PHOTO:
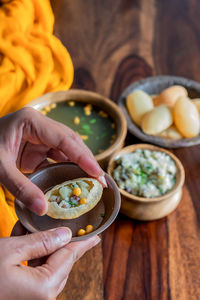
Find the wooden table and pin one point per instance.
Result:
(114, 43)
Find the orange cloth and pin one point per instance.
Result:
(8, 217)
(32, 62)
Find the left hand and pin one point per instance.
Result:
(46, 280)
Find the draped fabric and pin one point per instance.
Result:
(32, 62)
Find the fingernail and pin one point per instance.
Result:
(103, 181)
(97, 241)
(64, 234)
(97, 166)
(39, 206)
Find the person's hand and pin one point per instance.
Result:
(46, 281)
(27, 139)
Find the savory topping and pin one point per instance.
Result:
(83, 201)
(71, 103)
(76, 120)
(88, 229)
(145, 173)
(73, 198)
(52, 105)
(68, 196)
(76, 191)
(88, 109)
(103, 114)
(81, 232)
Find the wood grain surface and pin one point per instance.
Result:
(114, 43)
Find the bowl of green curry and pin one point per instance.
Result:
(96, 119)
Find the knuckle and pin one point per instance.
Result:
(75, 137)
(80, 158)
(25, 112)
(46, 242)
(20, 189)
(73, 257)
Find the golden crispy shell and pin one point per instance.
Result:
(93, 197)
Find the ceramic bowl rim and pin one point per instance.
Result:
(120, 120)
(101, 228)
(137, 131)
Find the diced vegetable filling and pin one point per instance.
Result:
(145, 173)
(72, 194)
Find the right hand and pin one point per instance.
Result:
(44, 282)
(27, 139)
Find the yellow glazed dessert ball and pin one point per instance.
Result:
(138, 103)
(170, 95)
(157, 120)
(196, 102)
(186, 117)
(171, 133)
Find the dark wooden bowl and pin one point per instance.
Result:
(55, 174)
(153, 86)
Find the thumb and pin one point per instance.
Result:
(36, 245)
(22, 188)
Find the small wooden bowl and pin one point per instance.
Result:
(55, 174)
(153, 86)
(147, 209)
(95, 99)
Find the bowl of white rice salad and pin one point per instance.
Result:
(150, 180)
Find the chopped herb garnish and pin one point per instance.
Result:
(103, 135)
(85, 126)
(92, 121)
(73, 204)
(103, 215)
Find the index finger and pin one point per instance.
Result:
(58, 136)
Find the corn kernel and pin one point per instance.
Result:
(47, 109)
(89, 228)
(103, 114)
(84, 137)
(83, 201)
(76, 120)
(87, 112)
(76, 191)
(81, 232)
(88, 107)
(71, 103)
(52, 105)
(43, 112)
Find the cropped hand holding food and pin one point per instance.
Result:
(43, 280)
(27, 139)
